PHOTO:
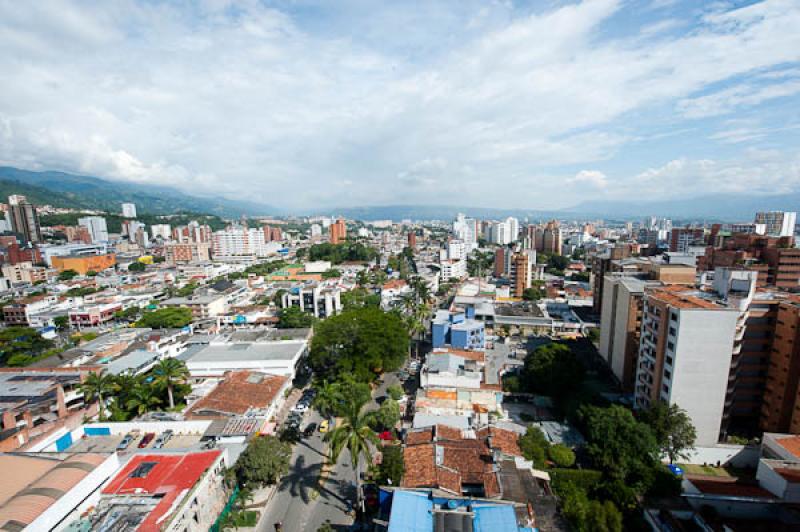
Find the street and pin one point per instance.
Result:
(302, 502)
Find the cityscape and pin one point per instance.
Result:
(457, 266)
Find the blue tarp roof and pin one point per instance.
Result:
(499, 518)
(411, 512)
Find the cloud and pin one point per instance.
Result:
(284, 103)
(591, 178)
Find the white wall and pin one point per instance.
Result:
(702, 360)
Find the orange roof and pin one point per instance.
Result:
(240, 391)
(502, 439)
(791, 444)
(478, 356)
(394, 284)
(731, 488)
(672, 296)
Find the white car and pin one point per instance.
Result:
(300, 407)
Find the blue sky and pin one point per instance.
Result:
(486, 103)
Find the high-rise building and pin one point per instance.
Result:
(338, 231)
(466, 230)
(316, 231)
(96, 225)
(548, 239)
(193, 232)
(777, 223)
(24, 219)
(500, 255)
(683, 237)
(780, 410)
(129, 210)
(690, 342)
(513, 228)
(456, 249)
(412, 239)
(272, 234)
(182, 253)
(239, 241)
(520, 273)
(162, 231)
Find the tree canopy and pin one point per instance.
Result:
(20, 344)
(672, 429)
(136, 267)
(166, 318)
(294, 318)
(552, 369)
(264, 461)
(338, 253)
(362, 341)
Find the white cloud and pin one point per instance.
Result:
(248, 101)
(591, 178)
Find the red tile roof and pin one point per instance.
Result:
(169, 477)
(502, 439)
(731, 488)
(240, 391)
(791, 444)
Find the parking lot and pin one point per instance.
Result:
(108, 444)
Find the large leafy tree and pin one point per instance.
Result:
(98, 386)
(168, 373)
(672, 428)
(362, 341)
(21, 341)
(624, 448)
(264, 461)
(294, 318)
(166, 318)
(553, 369)
(392, 467)
(534, 446)
(387, 416)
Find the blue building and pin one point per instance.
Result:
(421, 511)
(458, 329)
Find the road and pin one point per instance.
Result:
(302, 502)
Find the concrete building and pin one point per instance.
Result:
(129, 210)
(338, 231)
(175, 492)
(520, 273)
(240, 241)
(84, 264)
(780, 411)
(681, 238)
(24, 219)
(242, 394)
(453, 269)
(457, 249)
(187, 252)
(96, 226)
(317, 299)
(93, 315)
(193, 232)
(777, 223)
(690, 340)
(41, 490)
(24, 272)
(458, 330)
(162, 231)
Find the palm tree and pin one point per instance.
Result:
(354, 434)
(168, 373)
(141, 399)
(327, 398)
(97, 386)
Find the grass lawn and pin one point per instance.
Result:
(709, 471)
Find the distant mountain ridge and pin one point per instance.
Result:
(66, 190)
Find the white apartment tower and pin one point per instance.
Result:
(96, 225)
(129, 210)
(778, 223)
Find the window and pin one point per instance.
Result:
(673, 316)
(671, 346)
(142, 470)
(669, 361)
(672, 331)
(666, 388)
(667, 374)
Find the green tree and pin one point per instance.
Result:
(264, 461)
(61, 322)
(355, 435)
(18, 341)
(168, 373)
(395, 391)
(392, 467)
(67, 275)
(91, 273)
(387, 416)
(619, 445)
(359, 298)
(561, 455)
(672, 428)
(136, 267)
(554, 370)
(142, 399)
(362, 341)
(294, 318)
(327, 399)
(532, 294)
(166, 318)
(333, 273)
(98, 386)
(534, 446)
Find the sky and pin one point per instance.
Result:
(307, 104)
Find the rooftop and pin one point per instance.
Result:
(240, 392)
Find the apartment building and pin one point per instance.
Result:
(241, 241)
(24, 219)
(186, 252)
(21, 312)
(688, 341)
(601, 264)
(683, 237)
(521, 273)
(338, 231)
(317, 299)
(780, 411)
(24, 272)
(96, 227)
(777, 223)
(453, 269)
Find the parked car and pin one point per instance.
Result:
(146, 440)
(125, 442)
(162, 439)
(323, 426)
(300, 407)
(310, 429)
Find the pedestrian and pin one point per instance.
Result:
(279, 526)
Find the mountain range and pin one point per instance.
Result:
(62, 189)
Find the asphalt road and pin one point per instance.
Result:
(302, 502)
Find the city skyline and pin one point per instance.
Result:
(400, 105)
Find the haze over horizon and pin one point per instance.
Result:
(502, 104)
